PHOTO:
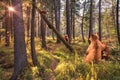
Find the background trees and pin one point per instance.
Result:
(57, 7)
(76, 18)
(76, 8)
(33, 51)
(99, 19)
(117, 21)
(91, 18)
(68, 20)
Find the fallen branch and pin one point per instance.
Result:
(55, 30)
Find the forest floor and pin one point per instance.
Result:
(57, 61)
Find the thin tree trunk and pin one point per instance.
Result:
(20, 57)
(90, 23)
(52, 24)
(100, 20)
(73, 26)
(57, 16)
(11, 23)
(113, 13)
(33, 52)
(0, 31)
(7, 25)
(39, 28)
(73, 18)
(68, 24)
(52, 20)
(82, 23)
(38, 25)
(55, 31)
(28, 23)
(43, 31)
(117, 21)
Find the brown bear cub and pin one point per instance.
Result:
(106, 53)
(66, 38)
(95, 50)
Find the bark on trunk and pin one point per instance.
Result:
(28, 23)
(68, 20)
(20, 57)
(7, 25)
(57, 16)
(100, 20)
(73, 18)
(117, 21)
(43, 31)
(33, 52)
(90, 23)
(83, 23)
(52, 20)
(0, 31)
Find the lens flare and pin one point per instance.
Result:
(11, 8)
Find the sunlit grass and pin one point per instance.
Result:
(65, 70)
(68, 67)
(4, 49)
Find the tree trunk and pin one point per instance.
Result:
(36, 24)
(52, 20)
(39, 26)
(39, 31)
(57, 16)
(11, 26)
(43, 31)
(90, 23)
(11, 23)
(68, 24)
(82, 23)
(33, 52)
(55, 31)
(20, 57)
(113, 12)
(100, 20)
(73, 18)
(0, 31)
(7, 25)
(117, 21)
(28, 23)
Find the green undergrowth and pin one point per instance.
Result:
(6, 61)
(66, 67)
(45, 59)
(2, 72)
(71, 69)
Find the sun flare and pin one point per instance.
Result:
(11, 8)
